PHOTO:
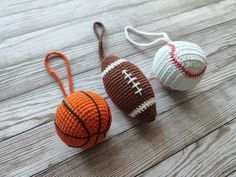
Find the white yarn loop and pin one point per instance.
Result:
(178, 65)
(162, 37)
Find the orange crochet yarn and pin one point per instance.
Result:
(83, 118)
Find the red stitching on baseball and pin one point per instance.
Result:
(187, 73)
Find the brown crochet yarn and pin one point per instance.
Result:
(125, 84)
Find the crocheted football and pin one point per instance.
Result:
(126, 85)
(83, 118)
(177, 65)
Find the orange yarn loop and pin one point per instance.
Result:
(53, 73)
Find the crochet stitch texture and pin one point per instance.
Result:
(179, 65)
(83, 118)
(125, 84)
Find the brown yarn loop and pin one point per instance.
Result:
(99, 30)
(53, 73)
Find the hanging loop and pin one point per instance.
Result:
(162, 37)
(53, 73)
(99, 30)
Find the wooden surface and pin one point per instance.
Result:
(194, 133)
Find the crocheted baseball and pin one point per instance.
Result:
(83, 118)
(125, 84)
(178, 65)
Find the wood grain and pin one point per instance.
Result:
(143, 146)
(41, 148)
(17, 72)
(56, 14)
(28, 142)
(49, 147)
(18, 6)
(69, 34)
(213, 155)
(42, 101)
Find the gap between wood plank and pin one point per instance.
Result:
(83, 18)
(141, 24)
(187, 146)
(213, 88)
(96, 14)
(19, 94)
(56, 3)
(229, 81)
(222, 84)
(108, 139)
(41, 124)
(106, 97)
(127, 56)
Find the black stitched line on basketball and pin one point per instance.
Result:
(99, 115)
(77, 137)
(79, 119)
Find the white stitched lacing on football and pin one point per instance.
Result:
(132, 80)
(142, 107)
(112, 66)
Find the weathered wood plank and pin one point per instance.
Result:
(214, 155)
(120, 123)
(69, 34)
(143, 146)
(40, 148)
(42, 101)
(64, 12)
(19, 6)
(47, 149)
(53, 148)
(21, 78)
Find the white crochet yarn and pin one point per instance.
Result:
(146, 104)
(133, 81)
(177, 65)
(112, 66)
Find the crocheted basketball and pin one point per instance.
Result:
(179, 65)
(125, 84)
(82, 119)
